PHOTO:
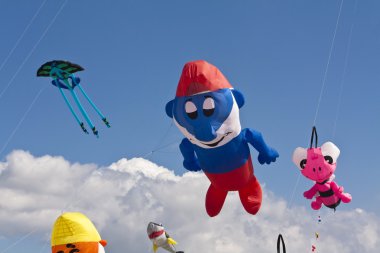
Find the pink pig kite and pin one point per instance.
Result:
(318, 164)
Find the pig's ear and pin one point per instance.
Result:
(330, 152)
(299, 157)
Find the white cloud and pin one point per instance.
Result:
(122, 198)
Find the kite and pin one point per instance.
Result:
(74, 232)
(206, 111)
(318, 164)
(62, 73)
(280, 241)
(160, 238)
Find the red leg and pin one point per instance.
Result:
(251, 196)
(214, 200)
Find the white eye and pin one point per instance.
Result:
(208, 106)
(209, 103)
(330, 152)
(190, 107)
(191, 110)
(299, 157)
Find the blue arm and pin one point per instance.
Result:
(190, 161)
(266, 153)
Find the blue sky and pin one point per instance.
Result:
(133, 52)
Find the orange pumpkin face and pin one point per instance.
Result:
(81, 247)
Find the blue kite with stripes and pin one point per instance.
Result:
(62, 73)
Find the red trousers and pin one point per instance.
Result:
(241, 179)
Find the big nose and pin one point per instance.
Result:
(205, 133)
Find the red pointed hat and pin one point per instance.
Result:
(200, 76)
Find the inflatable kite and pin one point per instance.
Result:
(74, 232)
(160, 238)
(206, 111)
(62, 73)
(318, 164)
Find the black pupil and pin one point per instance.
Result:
(192, 115)
(329, 159)
(208, 112)
(303, 163)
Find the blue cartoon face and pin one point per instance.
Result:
(208, 119)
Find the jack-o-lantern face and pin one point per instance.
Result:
(80, 247)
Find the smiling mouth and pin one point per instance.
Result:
(217, 142)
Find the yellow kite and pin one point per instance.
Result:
(74, 232)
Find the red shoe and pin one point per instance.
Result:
(251, 196)
(214, 200)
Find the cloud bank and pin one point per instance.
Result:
(122, 198)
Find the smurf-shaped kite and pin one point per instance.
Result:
(318, 164)
(206, 111)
